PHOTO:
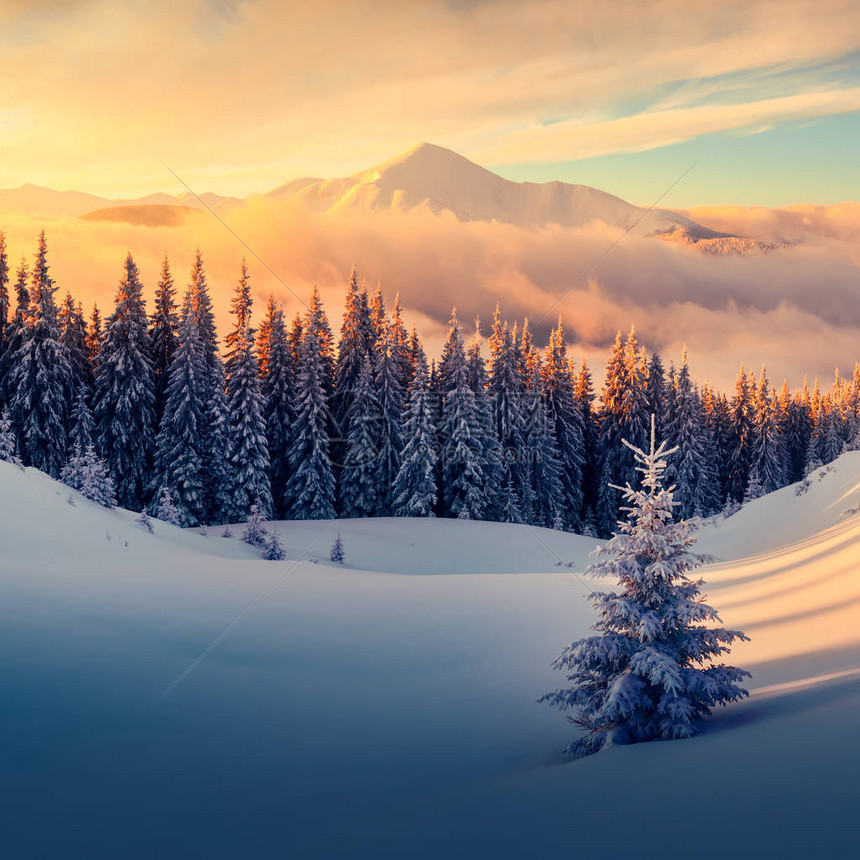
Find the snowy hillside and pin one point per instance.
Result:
(386, 708)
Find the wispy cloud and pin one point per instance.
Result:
(650, 129)
(759, 308)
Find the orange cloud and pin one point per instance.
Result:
(760, 308)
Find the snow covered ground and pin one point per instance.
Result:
(386, 708)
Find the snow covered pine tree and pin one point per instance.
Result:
(255, 529)
(649, 675)
(274, 551)
(166, 510)
(7, 440)
(88, 474)
(337, 555)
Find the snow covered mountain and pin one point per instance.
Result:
(439, 180)
(424, 178)
(386, 707)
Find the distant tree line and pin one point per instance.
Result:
(305, 427)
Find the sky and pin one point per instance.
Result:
(746, 115)
(763, 98)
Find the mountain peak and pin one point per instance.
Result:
(426, 161)
(425, 151)
(425, 147)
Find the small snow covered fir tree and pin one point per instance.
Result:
(337, 554)
(274, 551)
(588, 527)
(649, 674)
(511, 512)
(143, 520)
(255, 530)
(72, 474)
(166, 510)
(88, 474)
(754, 490)
(98, 486)
(7, 440)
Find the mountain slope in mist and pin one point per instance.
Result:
(436, 179)
(425, 178)
(38, 201)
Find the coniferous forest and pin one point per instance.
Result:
(141, 408)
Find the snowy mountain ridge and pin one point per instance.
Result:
(39, 201)
(432, 178)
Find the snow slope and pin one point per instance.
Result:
(392, 545)
(357, 711)
(784, 518)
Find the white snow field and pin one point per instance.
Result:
(386, 708)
